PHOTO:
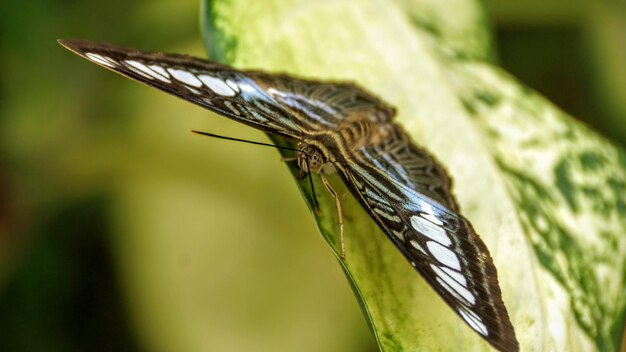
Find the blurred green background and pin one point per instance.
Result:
(120, 230)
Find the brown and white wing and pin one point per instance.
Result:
(410, 165)
(325, 105)
(440, 243)
(274, 103)
(222, 89)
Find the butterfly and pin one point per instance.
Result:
(400, 185)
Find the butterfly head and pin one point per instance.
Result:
(310, 159)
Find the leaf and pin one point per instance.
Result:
(545, 193)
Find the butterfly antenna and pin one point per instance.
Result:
(315, 203)
(244, 140)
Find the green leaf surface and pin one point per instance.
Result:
(547, 195)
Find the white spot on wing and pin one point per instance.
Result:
(427, 208)
(185, 77)
(230, 106)
(139, 72)
(144, 69)
(451, 291)
(455, 275)
(417, 246)
(429, 213)
(159, 70)
(432, 218)
(387, 216)
(245, 87)
(100, 59)
(217, 85)
(453, 285)
(444, 255)
(194, 91)
(398, 234)
(474, 322)
(274, 92)
(430, 230)
(232, 85)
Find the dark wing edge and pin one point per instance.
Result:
(441, 245)
(216, 87)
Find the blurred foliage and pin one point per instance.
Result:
(66, 297)
(572, 52)
(119, 230)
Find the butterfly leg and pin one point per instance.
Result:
(339, 213)
(345, 195)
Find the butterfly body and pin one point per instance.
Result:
(339, 145)
(341, 127)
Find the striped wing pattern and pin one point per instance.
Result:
(324, 104)
(414, 167)
(216, 87)
(440, 243)
(401, 186)
(276, 104)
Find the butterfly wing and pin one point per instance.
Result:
(439, 243)
(219, 88)
(277, 104)
(409, 165)
(325, 105)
